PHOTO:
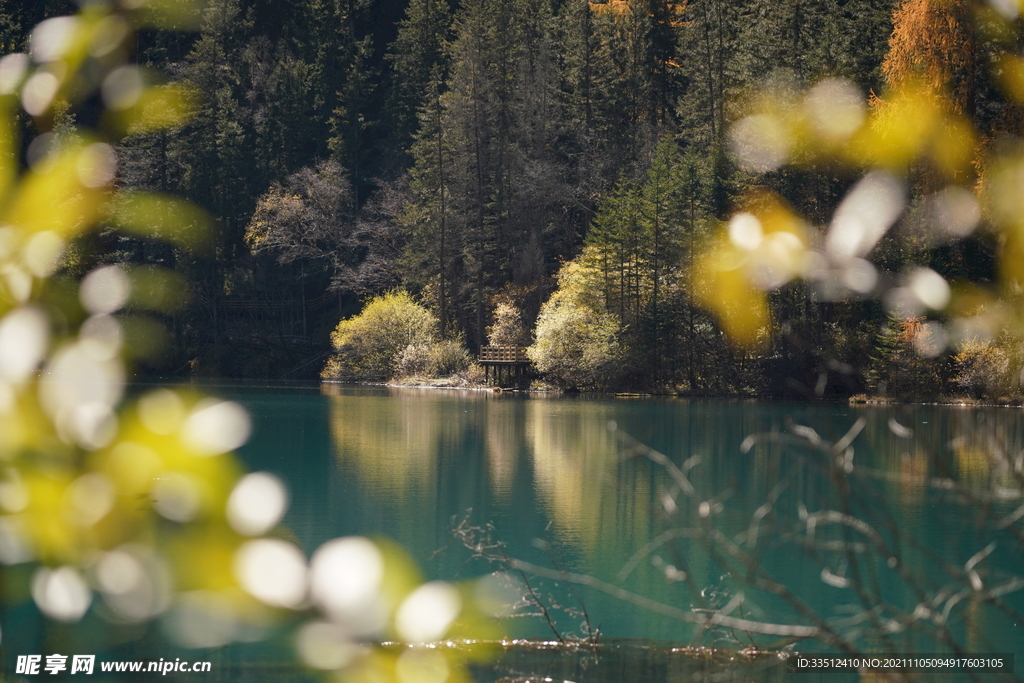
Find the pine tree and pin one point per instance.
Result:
(538, 189)
(351, 140)
(866, 26)
(713, 74)
(614, 246)
(578, 41)
(662, 209)
(485, 175)
(640, 247)
(418, 59)
(431, 250)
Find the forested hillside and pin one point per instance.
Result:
(471, 151)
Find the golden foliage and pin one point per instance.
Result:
(933, 45)
(370, 344)
(923, 136)
(618, 7)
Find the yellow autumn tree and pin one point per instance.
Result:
(933, 43)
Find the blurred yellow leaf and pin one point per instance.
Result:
(8, 145)
(401, 575)
(473, 625)
(63, 44)
(1004, 194)
(831, 112)
(899, 129)
(158, 289)
(721, 286)
(25, 429)
(953, 148)
(54, 197)
(54, 537)
(1010, 70)
(144, 337)
(773, 213)
(377, 666)
(204, 558)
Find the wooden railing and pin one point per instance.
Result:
(503, 354)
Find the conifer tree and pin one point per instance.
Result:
(351, 141)
(662, 210)
(578, 41)
(432, 252)
(586, 135)
(933, 41)
(613, 249)
(941, 49)
(418, 59)
(213, 145)
(484, 175)
(866, 26)
(713, 73)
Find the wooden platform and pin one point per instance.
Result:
(506, 363)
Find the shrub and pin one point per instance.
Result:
(440, 359)
(577, 340)
(983, 368)
(472, 374)
(371, 344)
(508, 329)
(447, 357)
(414, 361)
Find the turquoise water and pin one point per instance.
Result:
(897, 513)
(906, 537)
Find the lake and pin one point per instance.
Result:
(653, 526)
(888, 529)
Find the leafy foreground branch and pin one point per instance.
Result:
(119, 513)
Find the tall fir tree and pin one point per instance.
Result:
(418, 59)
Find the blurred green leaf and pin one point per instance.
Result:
(172, 15)
(144, 337)
(158, 289)
(157, 108)
(161, 216)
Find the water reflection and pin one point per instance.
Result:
(505, 442)
(392, 440)
(868, 517)
(574, 456)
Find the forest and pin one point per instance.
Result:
(558, 173)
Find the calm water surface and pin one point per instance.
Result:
(879, 540)
(562, 484)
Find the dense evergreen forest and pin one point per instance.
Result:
(493, 156)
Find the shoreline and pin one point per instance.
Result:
(855, 400)
(953, 401)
